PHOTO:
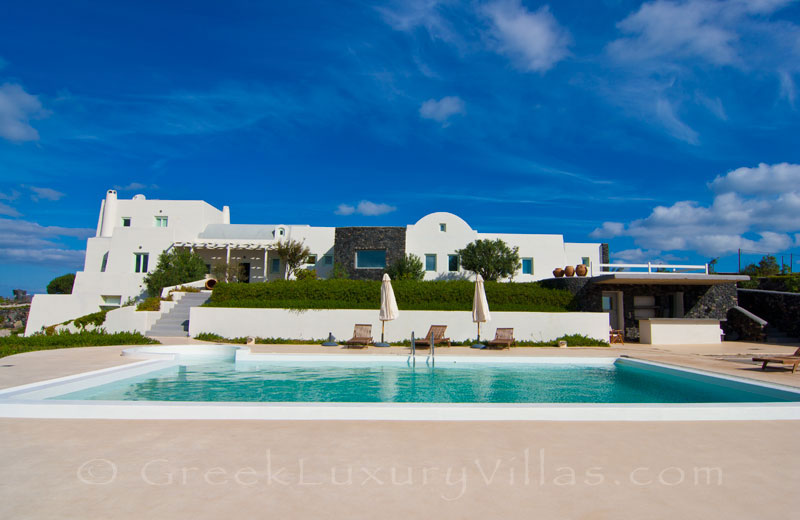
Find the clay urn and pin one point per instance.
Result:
(581, 270)
(569, 271)
(558, 272)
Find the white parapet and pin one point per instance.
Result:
(679, 331)
(316, 324)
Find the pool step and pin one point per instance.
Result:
(175, 322)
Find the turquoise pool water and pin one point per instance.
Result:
(446, 383)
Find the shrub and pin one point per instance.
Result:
(95, 318)
(150, 304)
(293, 255)
(411, 295)
(306, 274)
(186, 288)
(175, 267)
(18, 344)
(407, 268)
(62, 284)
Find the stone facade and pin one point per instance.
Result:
(14, 316)
(780, 309)
(742, 325)
(699, 301)
(349, 240)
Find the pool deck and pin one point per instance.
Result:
(374, 469)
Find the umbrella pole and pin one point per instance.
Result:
(382, 343)
(478, 344)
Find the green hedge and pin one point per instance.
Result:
(18, 344)
(411, 295)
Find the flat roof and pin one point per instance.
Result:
(668, 278)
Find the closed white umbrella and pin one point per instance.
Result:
(480, 308)
(389, 310)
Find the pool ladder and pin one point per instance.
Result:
(430, 360)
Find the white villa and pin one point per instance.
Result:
(131, 234)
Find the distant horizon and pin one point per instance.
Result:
(667, 128)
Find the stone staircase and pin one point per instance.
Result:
(175, 322)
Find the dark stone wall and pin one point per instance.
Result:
(604, 255)
(351, 239)
(741, 326)
(780, 309)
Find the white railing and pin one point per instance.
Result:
(651, 268)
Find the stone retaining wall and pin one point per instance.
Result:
(780, 309)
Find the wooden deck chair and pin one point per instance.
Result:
(362, 336)
(616, 336)
(792, 360)
(438, 337)
(503, 338)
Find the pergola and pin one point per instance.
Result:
(228, 246)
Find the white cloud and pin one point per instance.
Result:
(533, 40)
(44, 193)
(67, 258)
(764, 179)
(345, 209)
(443, 109)
(17, 109)
(788, 90)
(366, 208)
(754, 208)
(408, 15)
(638, 255)
(30, 242)
(665, 113)
(5, 209)
(14, 195)
(133, 186)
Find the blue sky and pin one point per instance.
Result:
(668, 128)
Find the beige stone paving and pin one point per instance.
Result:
(189, 469)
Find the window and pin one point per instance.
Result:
(105, 263)
(281, 232)
(312, 259)
(275, 265)
(527, 266)
(586, 261)
(430, 262)
(126, 222)
(371, 259)
(327, 260)
(161, 221)
(443, 227)
(141, 262)
(452, 263)
(208, 268)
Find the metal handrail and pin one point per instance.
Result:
(649, 266)
(413, 349)
(431, 357)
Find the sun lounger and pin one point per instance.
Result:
(438, 337)
(792, 360)
(362, 336)
(503, 338)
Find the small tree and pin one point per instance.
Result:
(767, 266)
(407, 268)
(339, 272)
(175, 267)
(62, 284)
(492, 259)
(293, 254)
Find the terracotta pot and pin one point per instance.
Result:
(581, 270)
(569, 271)
(558, 272)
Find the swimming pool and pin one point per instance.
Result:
(444, 382)
(232, 383)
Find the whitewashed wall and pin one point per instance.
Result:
(316, 324)
(52, 309)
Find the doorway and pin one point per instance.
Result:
(612, 304)
(244, 273)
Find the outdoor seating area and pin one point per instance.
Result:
(435, 334)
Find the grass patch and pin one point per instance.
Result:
(64, 339)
